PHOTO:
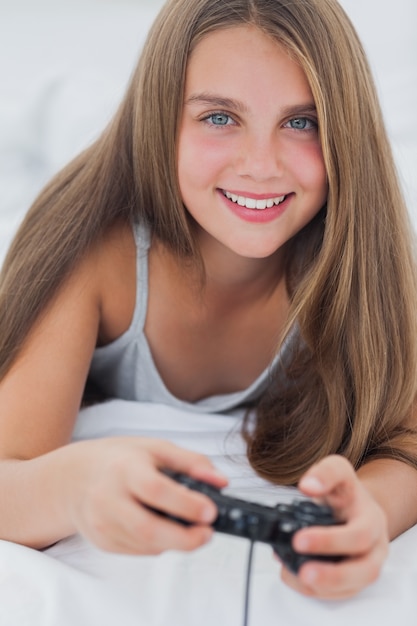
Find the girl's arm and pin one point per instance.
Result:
(39, 400)
(50, 488)
(393, 485)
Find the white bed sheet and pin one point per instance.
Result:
(75, 584)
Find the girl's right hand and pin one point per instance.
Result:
(115, 481)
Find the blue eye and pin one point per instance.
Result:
(301, 123)
(219, 119)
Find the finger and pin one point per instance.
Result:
(292, 581)
(333, 478)
(353, 539)
(334, 582)
(135, 530)
(158, 491)
(197, 465)
(159, 534)
(342, 580)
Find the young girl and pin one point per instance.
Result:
(236, 238)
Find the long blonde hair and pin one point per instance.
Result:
(351, 380)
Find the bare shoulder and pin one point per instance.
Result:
(41, 393)
(116, 271)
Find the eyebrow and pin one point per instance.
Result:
(217, 101)
(238, 106)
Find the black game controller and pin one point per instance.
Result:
(272, 525)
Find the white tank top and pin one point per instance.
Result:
(125, 368)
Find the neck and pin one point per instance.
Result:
(229, 276)
(230, 282)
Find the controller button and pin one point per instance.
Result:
(235, 514)
(288, 527)
(283, 508)
(308, 507)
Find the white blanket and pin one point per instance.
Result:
(75, 584)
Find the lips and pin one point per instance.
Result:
(256, 208)
(258, 204)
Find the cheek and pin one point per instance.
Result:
(200, 158)
(307, 164)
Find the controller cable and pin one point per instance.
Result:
(248, 581)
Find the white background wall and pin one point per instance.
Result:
(64, 65)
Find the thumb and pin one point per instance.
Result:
(332, 478)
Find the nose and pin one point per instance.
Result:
(260, 157)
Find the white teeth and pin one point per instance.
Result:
(251, 203)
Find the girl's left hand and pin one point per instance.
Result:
(363, 539)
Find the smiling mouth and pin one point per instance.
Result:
(252, 203)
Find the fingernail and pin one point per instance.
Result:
(301, 544)
(207, 535)
(219, 474)
(310, 576)
(210, 473)
(208, 514)
(311, 483)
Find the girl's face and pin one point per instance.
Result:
(250, 165)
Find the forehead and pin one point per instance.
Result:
(243, 58)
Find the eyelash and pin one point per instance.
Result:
(311, 122)
(208, 119)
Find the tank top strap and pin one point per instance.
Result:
(142, 237)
